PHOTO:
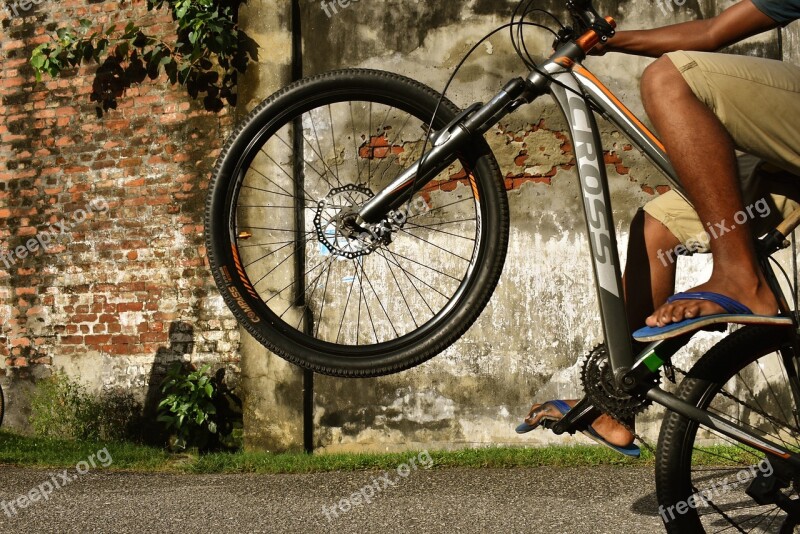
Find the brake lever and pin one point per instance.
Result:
(565, 35)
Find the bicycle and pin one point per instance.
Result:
(357, 225)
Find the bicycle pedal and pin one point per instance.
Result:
(577, 419)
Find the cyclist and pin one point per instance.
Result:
(705, 105)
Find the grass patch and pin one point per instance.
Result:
(50, 452)
(53, 453)
(491, 457)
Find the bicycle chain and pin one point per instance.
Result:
(600, 386)
(598, 383)
(758, 411)
(670, 371)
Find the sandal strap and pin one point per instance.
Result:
(728, 304)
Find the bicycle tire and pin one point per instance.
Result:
(2, 406)
(726, 377)
(300, 107)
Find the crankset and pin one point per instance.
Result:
(602, 390)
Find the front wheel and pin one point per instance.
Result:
(701, 475)
(302, 283)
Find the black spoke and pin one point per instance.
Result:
(366, 307)
(355, 142)
(400, 291)
(268, 254)
(426, 266)
(309, 271)
(440, 207)
(450, 234)
(391, 144)
(414, 225)
(406, 274)
(468, 260)
(346, 302)
(322, 306)
(291, 178)
(319, 148)
(380, 303)
(333, 141)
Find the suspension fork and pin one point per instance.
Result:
(447, 144)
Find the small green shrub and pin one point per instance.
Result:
(188, 409)
(62, 408)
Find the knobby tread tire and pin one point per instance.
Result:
(489, 267)
(704, 380)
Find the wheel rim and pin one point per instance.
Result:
(352, 292)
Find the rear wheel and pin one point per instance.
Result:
(318, 295)
(701, 475)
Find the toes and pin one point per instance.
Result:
(678, 311)
(542, 412)
(534, 414)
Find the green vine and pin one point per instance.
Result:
(208, 53)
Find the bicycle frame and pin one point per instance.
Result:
(579, 94)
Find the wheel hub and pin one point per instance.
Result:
(335, 222)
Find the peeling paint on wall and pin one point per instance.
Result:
(541, 319)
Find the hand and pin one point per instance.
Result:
(600, 50)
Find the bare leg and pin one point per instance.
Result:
(648, 279)
(648, 282)
(702, 152)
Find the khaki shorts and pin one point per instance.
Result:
(758, 101)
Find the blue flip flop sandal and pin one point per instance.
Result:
(735, 312)
(631, 451)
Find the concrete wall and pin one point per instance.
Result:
(542, 317)
(127, 292)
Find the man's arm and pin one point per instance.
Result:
(732, 25)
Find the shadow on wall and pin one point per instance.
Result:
(181, 343)
(181, 347)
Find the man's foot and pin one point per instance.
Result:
(756, 295)
(604, 426)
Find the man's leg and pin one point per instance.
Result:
(702, 152)
(649, 276)
(648, 280)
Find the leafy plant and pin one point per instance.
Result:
(188, 407)
(63, 408)
(205, 56)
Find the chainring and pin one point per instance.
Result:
(602, 389)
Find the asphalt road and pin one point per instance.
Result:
(538, 500)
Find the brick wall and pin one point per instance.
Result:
(102, 264)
